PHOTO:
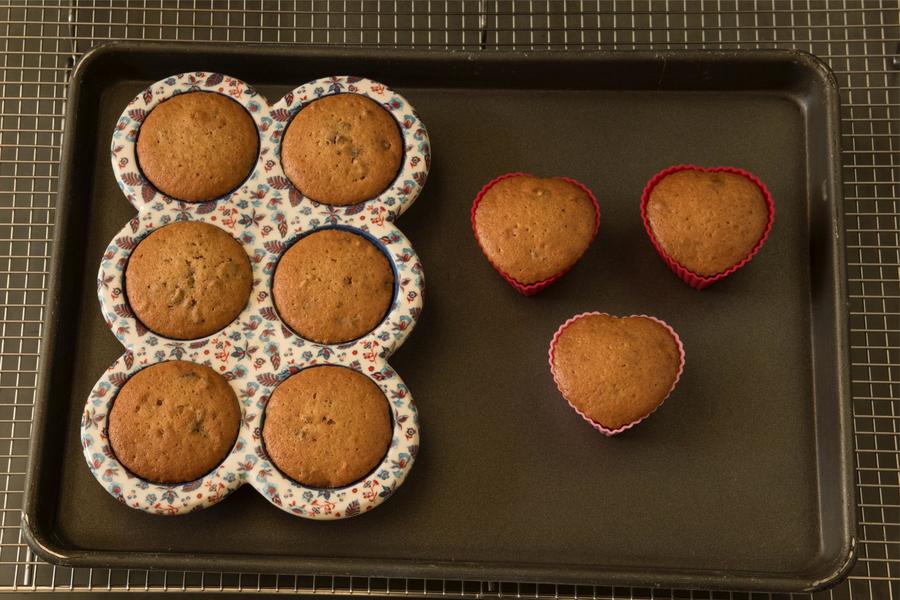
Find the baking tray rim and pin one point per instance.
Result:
(43, 544)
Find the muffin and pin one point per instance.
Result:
(197, 146)
(709, 222)
(333, 286)
(327, 426)
(188, 280)
(533, 230)
(173, 422)
(615, 371)
(342, 149)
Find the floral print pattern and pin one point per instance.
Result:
(257, 351)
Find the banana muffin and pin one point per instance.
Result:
(197, 146)
(333, 286)
(342, 149)
(707, 221)
(327, 426)
(532, 229)
(188, 280)
(173, 422)
(615, 370)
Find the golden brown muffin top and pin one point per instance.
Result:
(197, 146)
(327, 426)
(532, 228)
(615, 370)
(188, 280)
(342, 149)
(333, 286)
(707, 222)
(173, 422)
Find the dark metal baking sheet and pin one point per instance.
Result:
(742, 480)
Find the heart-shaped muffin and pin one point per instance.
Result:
(615, 371)
(533, 230)
(706, 223)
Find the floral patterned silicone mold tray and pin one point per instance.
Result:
(257, 351)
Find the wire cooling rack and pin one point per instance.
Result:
(42, 40)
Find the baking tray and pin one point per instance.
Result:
(742, 480)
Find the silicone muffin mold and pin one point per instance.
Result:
(257, 350)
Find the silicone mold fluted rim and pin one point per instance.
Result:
(257, 351)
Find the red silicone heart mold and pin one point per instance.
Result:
(531, 289)
(693, 279)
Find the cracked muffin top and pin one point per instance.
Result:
(342, 149)
(188, 280)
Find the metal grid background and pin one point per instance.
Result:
(860, 39)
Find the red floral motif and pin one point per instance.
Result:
(371, 488)
(377, 215)
(371, 353)
(222, 350)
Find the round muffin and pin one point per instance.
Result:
(333, 286)
(188, 280)
(532, 229)
(173, 422)
(707, 221)
(327, 426)
(342, 149)
(614, 370)
(197, 146)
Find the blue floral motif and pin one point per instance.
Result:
(264, 214)
(191, 486)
